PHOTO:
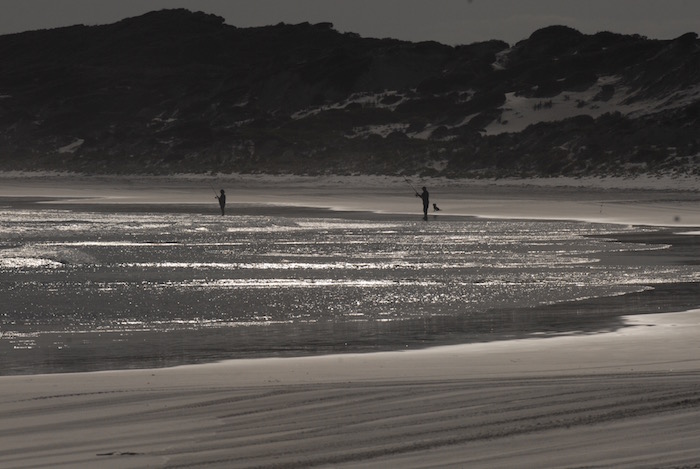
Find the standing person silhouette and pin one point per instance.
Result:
(222, 201)
(426, 202)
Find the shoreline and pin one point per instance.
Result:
(582, 350)
(572, 319)
(654, 357)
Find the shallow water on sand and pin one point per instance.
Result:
(86, 290)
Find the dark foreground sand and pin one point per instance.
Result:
(629, 398)
(624, 399)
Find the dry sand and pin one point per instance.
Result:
(629, 398)
(623, 399)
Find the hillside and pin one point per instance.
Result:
(177, 91)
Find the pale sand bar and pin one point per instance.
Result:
(629, 398)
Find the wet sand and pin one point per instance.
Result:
(625, 398)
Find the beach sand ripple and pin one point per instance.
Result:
(624, 399)
(606, 420)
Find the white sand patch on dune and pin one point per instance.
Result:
(72, 147)
(518, 112)
(384, 100)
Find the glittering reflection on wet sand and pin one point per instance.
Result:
(86, 290)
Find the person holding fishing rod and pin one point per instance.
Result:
(425, 196)
(426, 201)
(222, 200)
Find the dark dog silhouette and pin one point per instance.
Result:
(436, 208)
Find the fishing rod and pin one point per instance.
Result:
(409, 183)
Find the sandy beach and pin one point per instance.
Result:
(625, 398)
